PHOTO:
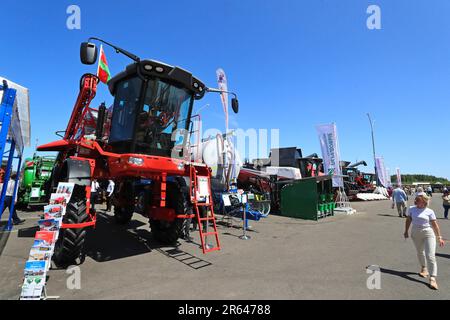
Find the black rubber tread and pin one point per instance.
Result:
(142, 202)
(70, 243)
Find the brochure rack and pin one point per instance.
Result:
(39, 260)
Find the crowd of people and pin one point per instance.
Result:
(97, 189)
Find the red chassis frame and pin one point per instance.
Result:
(153, 167)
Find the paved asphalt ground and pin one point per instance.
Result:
(284, 259)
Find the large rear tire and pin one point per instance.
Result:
(70, 244)
(167, 232)
(177, 198)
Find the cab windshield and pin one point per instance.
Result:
(154, 125)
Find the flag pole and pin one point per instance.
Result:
(99, 60)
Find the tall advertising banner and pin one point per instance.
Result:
(330, 152)
(389, 179)
(222, 83)
(381, 171)
(399, 178)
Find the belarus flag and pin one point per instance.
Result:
(103, 70)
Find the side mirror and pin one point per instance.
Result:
(88, 53)
(235, 105)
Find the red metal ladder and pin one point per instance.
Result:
(209, 206)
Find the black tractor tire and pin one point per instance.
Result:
(142, 202)
(123, 215)
(70, 244)
(177, 198)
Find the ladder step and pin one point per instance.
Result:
(202, 204)
(212, 249)
(206, 219)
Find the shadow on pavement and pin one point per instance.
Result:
(389, 215)
(4, 236)
(403, 274)
(110, 241)
(185, 258)
(230, 234)
(443, 255)
(228, 225)
(29, 232)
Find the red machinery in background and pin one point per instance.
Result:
(356, 181)
(268, 176)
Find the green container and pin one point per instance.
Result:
(306, 197)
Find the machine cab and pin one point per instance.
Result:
(152, 109)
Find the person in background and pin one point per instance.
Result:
(399, 199)
(419, 191)
(423, 233)
(390, 191)
(109, 194)
(429, 191)
(94, 189)
(8, 199)
(446, 202)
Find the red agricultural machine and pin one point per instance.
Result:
(285, 164)
(145, 135)
(355, 181)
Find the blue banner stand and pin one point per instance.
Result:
(6, 114)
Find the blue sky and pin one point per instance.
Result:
(294, 64)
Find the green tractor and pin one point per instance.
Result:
(35, 175)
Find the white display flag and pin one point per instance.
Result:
(330, 152)
(389, 180)
(222, 83)
(399, 178)
(381, 171)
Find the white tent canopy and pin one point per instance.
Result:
(20, 128)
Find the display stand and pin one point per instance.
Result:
(343, 203)
(40, 257)
(226, 218)
(244, 219)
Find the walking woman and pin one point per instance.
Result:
(423, 233)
